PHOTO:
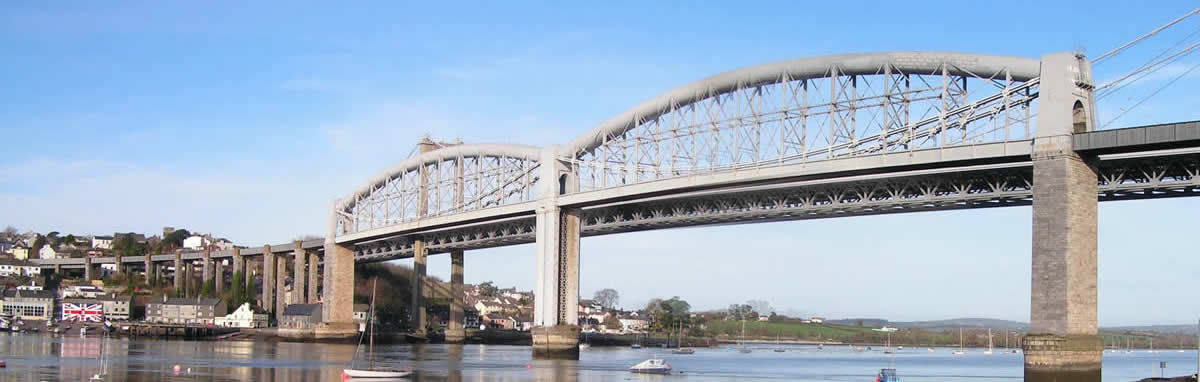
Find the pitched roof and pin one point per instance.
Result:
(18, 293)
(301, 309)
(187, 301)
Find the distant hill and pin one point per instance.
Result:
(969, 323)
(1171, 329)
(955, 323)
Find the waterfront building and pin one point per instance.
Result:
(300, 316)
(185, 311)
(28, 303)
(48, 252)
(243, 317)
(117, 308)
(499, 321)
(81, 309)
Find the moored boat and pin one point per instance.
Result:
(652, 366)
(371, 372)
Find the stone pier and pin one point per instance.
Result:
(239, 266)
(151, 274)
(1063, 344)
(299, 267)
(417, 306)
(118, 266)
(555, 317)
(280, 286)
(219, 276)
(87, 269)
(268, 281)
(206, 274)
(178, 271)
(338, 303)
(313, 263)
(455, 334)
(188, 289)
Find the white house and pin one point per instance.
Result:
(195, 242)
(20, 252)
(82, 291)
(17, 267)
(631, 323)
(47, 252)
(102, 242)
(223, 244)
(243, 317)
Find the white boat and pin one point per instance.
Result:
(371, 371)
(83, 330)
(989, 351)
(742, 343)
(356, 373)
(960, 350)
(652, 366)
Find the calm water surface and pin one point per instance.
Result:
(73, 358)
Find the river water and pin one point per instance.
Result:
(73, 358)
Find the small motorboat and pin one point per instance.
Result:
(887, 375)
(585, 346)
(357, 373)
(635, 346)
(652, 366)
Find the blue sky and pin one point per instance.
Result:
(247, 120)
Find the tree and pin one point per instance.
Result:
(611, 322)
(175, 239)
(38, 243)
(207, 289)
(761, 307)
(739, 311)
(10, 232)
(608, 298)
(488, 289)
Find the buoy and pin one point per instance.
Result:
(178, 368)
(528, 366)
(2, 364)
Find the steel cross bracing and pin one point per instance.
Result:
(989, 186)
(452, 185)
(800, 120)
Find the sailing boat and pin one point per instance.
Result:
(989, 351)
(742, 347)
(960, 350)
(680, 349)
(370, 371)
(778, 349)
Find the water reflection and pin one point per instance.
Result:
(75, 358)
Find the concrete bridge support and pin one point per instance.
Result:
(178, 271)
(118, 266)
(268, 281)
(416, 309)
(151, 275)
(219, 276)
(88, 272)
(455, 333)
(555, 316)
(1063, 344)
(280, 286)
(313, 263)
(206, 263)
(338, 304)
(299, 278)
(239, 266)
(189, 290)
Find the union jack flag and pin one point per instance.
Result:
(82, 312)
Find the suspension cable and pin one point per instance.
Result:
(1154, 66)
(1151, 95)
(1121, 48)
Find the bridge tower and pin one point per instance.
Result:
(1063, 344)
(555, 316)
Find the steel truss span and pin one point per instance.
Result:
(444, 182)
(1002, 185)
(810, 110)
(784, 113)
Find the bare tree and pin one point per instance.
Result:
(607, 298)
(10, 232)
(761, 307)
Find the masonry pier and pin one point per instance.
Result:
(1063, 345)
